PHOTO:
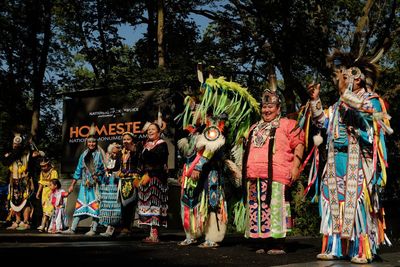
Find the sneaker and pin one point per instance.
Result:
(208, 244)
(106, 234)
(90, 233)
(325, 257)
(276, 252)
(69, 231)
(187, 242)
(359, 260)
(13, 226)
(23, 226)
(41, 228)
(109, 232)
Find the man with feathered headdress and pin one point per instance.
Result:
(21, 184)
(352, 217)
(218, 121)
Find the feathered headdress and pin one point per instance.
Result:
(368, 69)
(222, 97)
(270, 97)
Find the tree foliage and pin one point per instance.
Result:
(48, 47)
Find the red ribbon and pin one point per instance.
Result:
(316, 161)
(307, 159)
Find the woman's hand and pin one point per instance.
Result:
(71, 188)
(294, 174)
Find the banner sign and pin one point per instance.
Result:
(111, 116)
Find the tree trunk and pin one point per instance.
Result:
(40, 62)
(103, 44)
(160, 33)
(35, 66)
(151, 34)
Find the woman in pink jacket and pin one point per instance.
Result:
(272, 160)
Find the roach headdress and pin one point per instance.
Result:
(363, 66)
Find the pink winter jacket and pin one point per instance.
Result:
(285, 143)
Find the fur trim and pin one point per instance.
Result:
(212, 233)
(187, 145)
(237, 153)
(183, 144)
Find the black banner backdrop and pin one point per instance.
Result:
(112, 115)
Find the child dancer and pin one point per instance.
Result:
(47, 173)
(58, 199)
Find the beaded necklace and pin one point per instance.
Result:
(262, 131)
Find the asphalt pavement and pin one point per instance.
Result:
(31, 247)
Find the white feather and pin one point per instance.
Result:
(211, 146)
(378, 56)
(146, 126)
(183, 144)
(317, 139)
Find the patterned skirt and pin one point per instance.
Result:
(267, 221)
(58, 220)
(153, 203)
(110, 207)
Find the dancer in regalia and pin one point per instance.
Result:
(271, 164)
(90, 170)
(352, 216)
(215, 125)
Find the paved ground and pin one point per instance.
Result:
(33, 247)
